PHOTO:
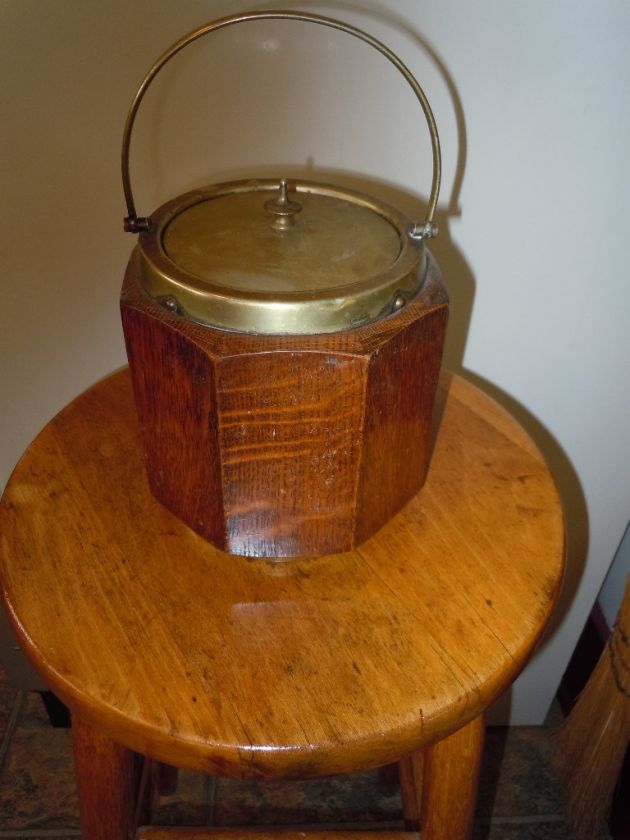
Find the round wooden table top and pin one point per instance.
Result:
(293, 668)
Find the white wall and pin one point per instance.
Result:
(614, 585)
(531, 101)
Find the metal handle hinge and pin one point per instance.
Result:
(135, 224)
(423, 230)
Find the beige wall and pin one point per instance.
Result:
(530, 100)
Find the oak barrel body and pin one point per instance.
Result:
(285, 340)
(285, 445)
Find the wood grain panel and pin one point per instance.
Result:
(290, 434)
(175, 395)
(401, 386)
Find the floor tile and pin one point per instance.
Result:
(526, 831)
(37, 789)
(516, 778)
(337, 799)
(521, 831)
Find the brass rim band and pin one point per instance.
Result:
(134, 224)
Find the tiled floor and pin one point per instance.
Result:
(519, 796)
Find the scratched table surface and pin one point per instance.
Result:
(248, 667)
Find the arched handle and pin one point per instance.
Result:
(422, 230)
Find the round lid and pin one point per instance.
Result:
(273, 257)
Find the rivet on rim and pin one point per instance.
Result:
(170, 303)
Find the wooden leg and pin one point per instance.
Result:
(58, 714)
(105, 774)
(449, 791)
(144, 789)
(411, 771)
(388, 779)
(166, 778)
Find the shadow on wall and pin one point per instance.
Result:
(461, 283)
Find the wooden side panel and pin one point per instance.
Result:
(290, 436)
(174, 390)
(401, 387)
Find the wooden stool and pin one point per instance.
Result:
(161, 645)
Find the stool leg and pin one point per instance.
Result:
(105, 775)
(410, 771)
(449, 791)
(166, 778)
(144, 789)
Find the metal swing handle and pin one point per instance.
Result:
(135, 224)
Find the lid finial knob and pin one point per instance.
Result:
(283, 208)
